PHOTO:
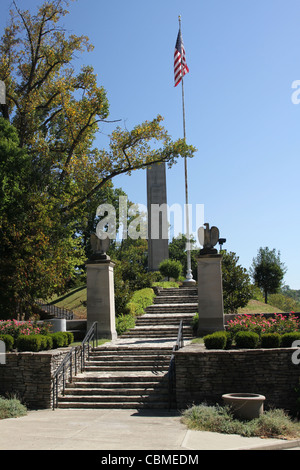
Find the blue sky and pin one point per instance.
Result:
(243, 57)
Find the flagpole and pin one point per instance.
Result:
(189, 276)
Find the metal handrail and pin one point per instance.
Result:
(64, 371)
(172, 372)
(91, 335)
(57, 312)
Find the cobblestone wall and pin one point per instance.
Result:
(205, 375)
(28, 375)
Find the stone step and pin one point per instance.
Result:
(177, 291)
(130, 350)
(112, 392)
(125, 367)
(115, 387)
(165, 319)
(142, 333)
(65, 404)
(191, 307)
(130, 353)
(154, 331)
(113, 358)
(174, 299)
(140, 398)
(120, 380)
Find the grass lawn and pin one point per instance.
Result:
(74, 300)
(255, 306)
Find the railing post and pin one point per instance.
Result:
(71, 367)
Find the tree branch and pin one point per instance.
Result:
(104, 180)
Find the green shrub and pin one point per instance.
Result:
(229, 339)
(30, 343)
(62, 339)
(59, 339)
(70, 337)
(124, 323)
(270, 340)
(195, 321)
(8, 340)
(49, 342)
(11, 408)
(217, 340)
(246, 339)
(274, 423)
(37, 343)
(288, 338)
(170, 268)
(140, 300)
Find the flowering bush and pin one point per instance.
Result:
(16, 328)
(259, 324)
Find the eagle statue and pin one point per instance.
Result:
(208, 238)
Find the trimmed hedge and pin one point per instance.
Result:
(36, 343)
(8, 340)
(217, 340)
(270, 340)
(249, 340)
(288, 338)
(246, 340)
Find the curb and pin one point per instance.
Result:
(276, 446)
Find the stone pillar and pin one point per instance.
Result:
(158, 243)
(210, 294)
(101, 297)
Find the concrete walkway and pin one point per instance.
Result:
(115, 430)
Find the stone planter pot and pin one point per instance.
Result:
(245, 405)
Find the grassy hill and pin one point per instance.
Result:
(255, 306)
(74, 300)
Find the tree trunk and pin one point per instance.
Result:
(266, 297)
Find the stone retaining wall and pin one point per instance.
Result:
(205, 375)
(28, 376)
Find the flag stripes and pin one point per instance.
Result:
(180, 65)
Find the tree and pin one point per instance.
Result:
(38, 253)
(177, 251)
(268, 271)
(170, 268)
(56, 112)
(237, 289)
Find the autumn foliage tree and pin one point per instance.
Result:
(38, 251)
(56, 112)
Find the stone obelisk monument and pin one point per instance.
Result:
(157, 224)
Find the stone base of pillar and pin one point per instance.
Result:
(101, 298)
(210, 294)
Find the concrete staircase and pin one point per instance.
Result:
(132, 371)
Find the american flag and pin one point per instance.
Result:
(180, 65)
